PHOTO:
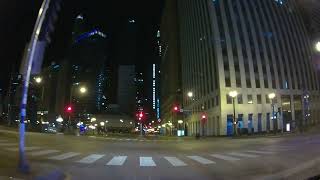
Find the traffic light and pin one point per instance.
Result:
(69, 109)
(176, 109)
(203, 118)
(140, 115)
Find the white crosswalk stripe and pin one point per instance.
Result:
(201, 160)
(117, 161)
(276, 149)
(243, 155)
(260, 152)
(64, 156)
(8, 144)
(147, 161)
(91, 158)
(44, 152)
(26, 148)
(175, 161)
(224, 157)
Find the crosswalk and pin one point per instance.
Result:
(117, 161)
(64, 156)
(210, 159)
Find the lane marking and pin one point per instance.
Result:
(44, 152)
(243, 155)
(147, 161)
(64, 156)
(201, 160)
(8, 144)
(117, 161)
(26, 148)
(91, 158)
(224, 157)
(260, 152)
(175, 161)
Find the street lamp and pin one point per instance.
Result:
(318, 46)
(38, 80)
(83, 90)
(271, 97)
(93, 119)
(190, 94)
(233, 95)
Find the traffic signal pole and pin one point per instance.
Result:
(23, 165)
(141, 129)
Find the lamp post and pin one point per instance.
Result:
(82, 90)
(39, 81)
(271, 97)
(233, 95)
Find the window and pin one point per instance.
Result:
(228, 82)
(248, 81)
(259, 99)
(250, 100)
(267, 99)
(229, 99)
(217, 100)
(258, 82)
(240, 99)
(238, 81)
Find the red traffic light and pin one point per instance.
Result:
(141, 115)
(204, 116)
(176, 108)
(69, 109)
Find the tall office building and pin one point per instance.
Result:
(255, 48)
(311, 14)
(89, 68)
(170, 62)
(126, 89)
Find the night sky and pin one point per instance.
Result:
(18, 17)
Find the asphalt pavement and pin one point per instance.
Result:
(81, 157)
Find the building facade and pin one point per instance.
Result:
(253, 47)
(171, 94)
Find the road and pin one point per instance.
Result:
(292, 157)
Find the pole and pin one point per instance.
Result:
(140, 129)
(70, 102)
(23, 165)
(234, 115)
(274, 126)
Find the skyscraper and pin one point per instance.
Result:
(89, 67)
(126, 89)
(255, 48)
(170, 62)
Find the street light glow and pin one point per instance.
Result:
(272, 95)
(190, 94)
(233, 94)
(93, 119)
(180, 121)
(318, 46)
(83, 90)
(101, 123)
(38, 80)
